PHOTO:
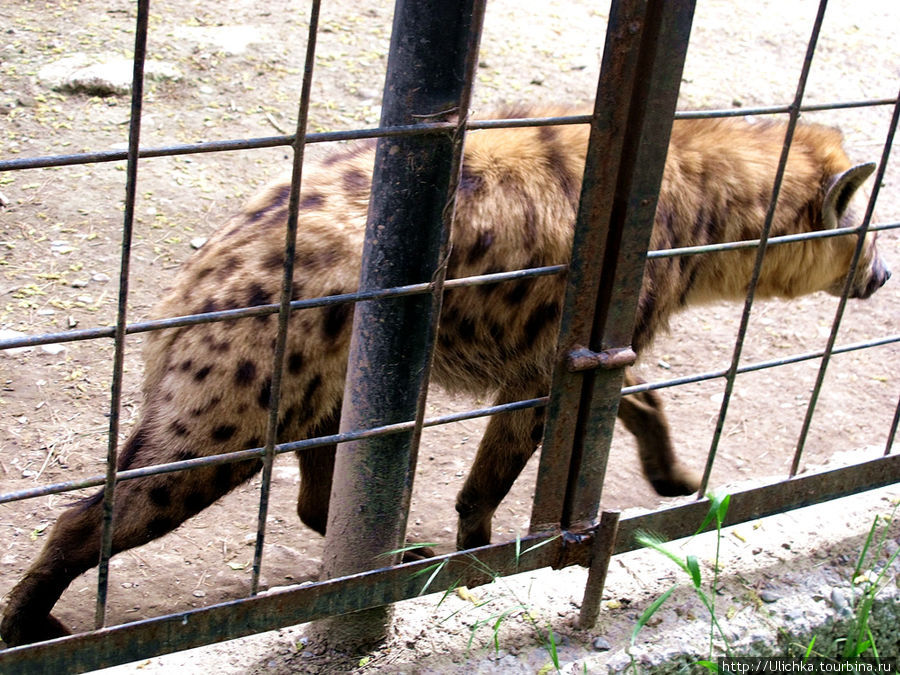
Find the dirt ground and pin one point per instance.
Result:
(239, 66)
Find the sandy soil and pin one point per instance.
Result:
(239, 65)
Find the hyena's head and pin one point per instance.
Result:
(839, 210)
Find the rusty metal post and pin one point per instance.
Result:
(601, 552)
(643, 59)
(430, 66)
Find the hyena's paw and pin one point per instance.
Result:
(17, 631)
(677, 483)
(418, 553)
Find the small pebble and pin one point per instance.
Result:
(601, 644)
(769, 596)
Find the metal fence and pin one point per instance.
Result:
(642, 66)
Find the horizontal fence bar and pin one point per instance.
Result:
(412, 289)
(280, 449)
(754, 503)
(262, 310)
(774, 241)
(268, 611)
(394, 131)
(780, 109)
(760, 365)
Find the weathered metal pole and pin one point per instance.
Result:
(432, 56)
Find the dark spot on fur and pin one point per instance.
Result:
(168, 397)
(336, 317)
(287, 420)
(644, 319)
(498, 334)
(227, 268)
(160, 496)
(185, 454)
(160, 526)
(481, 246)
(265, 393)
(202, 410)
(487, 290)
(531, 224)
(223, 432)
(295, 362)
(257, 295)
(517, 291)
(195, 502)
(209, 305)
(133, 446)
(278, 201)
(204, 272)
(201, 374)
(178, 428)
(245, 373)
(224, 478)
(543, 317)
(313, 200)
(469, 182)
(274, 259)
(356, 182)
(186, 365)
(312, 388)
(255, 442)
(559, 167)
(466, 329)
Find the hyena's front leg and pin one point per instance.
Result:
(145, 508)
(643, 416)
(510, 439)
(316, 471)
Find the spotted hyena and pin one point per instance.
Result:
(207, 387)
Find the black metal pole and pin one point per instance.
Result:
(431, 63)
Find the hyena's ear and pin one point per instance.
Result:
(840, 191)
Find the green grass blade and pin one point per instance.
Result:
(693, 568)
(649, 612)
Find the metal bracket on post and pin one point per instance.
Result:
(582, 358)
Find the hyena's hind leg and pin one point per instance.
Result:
(643, 416)
(508, 442)
(145, 508)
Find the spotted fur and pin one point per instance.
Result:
(207, 387)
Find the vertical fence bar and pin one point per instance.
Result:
(642, 65)
(892, 434)
(134, 132)
(284, 312)
(794, 115)
(433, 48)
(601, 552)
(842, 303)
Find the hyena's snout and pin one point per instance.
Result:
(878, 274)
